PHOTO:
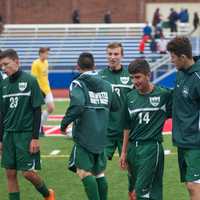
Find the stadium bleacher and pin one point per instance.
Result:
(68, 41)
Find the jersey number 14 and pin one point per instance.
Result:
(144, 118)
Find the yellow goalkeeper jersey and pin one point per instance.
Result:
(39, 69)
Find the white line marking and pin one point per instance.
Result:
(167, 152)
(55, 152)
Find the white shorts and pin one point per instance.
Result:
(48, 98)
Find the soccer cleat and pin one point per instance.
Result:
(51, 195)
(132, 195)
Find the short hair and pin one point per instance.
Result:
(114, 45)
(180, 46)
(139, 66)
(10, 53)
(86, 61)
(44, 49)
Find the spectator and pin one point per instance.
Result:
(184, 16)
(156, 17)
(173, 17)
(147, 30)
(196, 21)
(158, 32)
(107, 17)
(162, 45)
(76, 16)
(153, 45)
(142, 46)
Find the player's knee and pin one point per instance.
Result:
(28, 175)
(193, 188)
(82, 173)
(11, 174)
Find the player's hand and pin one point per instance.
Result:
(122, 161)
(64, 132)
(1, 148)
(34, 146)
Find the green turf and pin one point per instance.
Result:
(68, 186)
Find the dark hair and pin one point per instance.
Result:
(114, 45)
(86, 61)
(139, 66)
(44, 49)
(180, 46)
(10, 53)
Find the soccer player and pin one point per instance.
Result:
(148, 106)
(20, 115)
(91, 99)
(186, 114)
(40, 71)
(119, 78)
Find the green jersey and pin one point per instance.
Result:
(186, 108)
(121, 83)
(20, 93)
(91, 99)
(1, 76)
(147, 113)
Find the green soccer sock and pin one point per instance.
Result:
(14, 196)
(91, 187)
(130, 183)
(103, 187)
(42, 189)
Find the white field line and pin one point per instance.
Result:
(55, 152)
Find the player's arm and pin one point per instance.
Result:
(37, 101)
(34, 70)
(123, 163)
(76, 107)
(34, 145)
(169, 98)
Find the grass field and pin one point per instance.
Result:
(68, 186)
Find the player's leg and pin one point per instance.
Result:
(157, 183)
(50, 108)
(102, 186)
(131, 192)
(192, 172)
(81, 161)
(28, 163)
(13, 186)
(39, 184)
(146, 162)
(89, 183)
(110, 147)
(131, 154)
(194, 189)
(8, 162)
(99, 168)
